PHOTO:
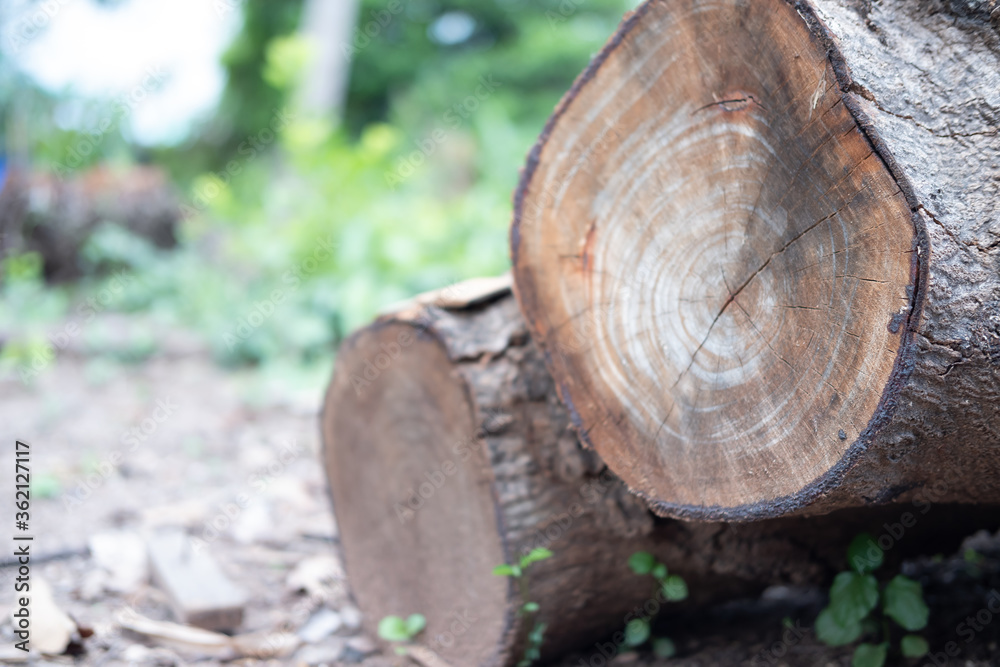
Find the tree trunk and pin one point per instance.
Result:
(448, 453)
(759, 244)
(329, 26)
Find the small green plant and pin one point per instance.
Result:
(533, 647)
(973, 563)
(402, 631)
(671, 586)
(855, 609)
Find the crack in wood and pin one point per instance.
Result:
(740, 289)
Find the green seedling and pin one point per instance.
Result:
(401, 631)
(671, 586)
(860, 605)
(533, 646)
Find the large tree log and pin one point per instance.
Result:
(759, 244)
(448, 453)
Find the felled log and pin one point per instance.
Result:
(448, 453)
(55, 217)
(759, 245)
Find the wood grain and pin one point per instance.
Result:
(715, 257)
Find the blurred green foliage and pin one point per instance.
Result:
(287, 244)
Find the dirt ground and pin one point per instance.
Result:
(123, 451)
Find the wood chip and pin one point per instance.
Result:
(262, 646)
(200, 593)
(426, 657)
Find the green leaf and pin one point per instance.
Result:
(534, 556)
(869, 655)
(904, 603)
(393, 629)
(864, 554)
(914, 646)
(642, 562)
(973, 557)
(415, 623)
(664, 648)
(536, 634)
(675, 588)
(530, 607)
(507, 571)
(833, 633)
(659, 571)
(852, 597)
(44, 485)
(636, 632)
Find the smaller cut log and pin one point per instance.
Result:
(448, 453)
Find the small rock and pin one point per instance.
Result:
(253, 524)
(92, 586)
(326, 653)
(361, 644)
(321, 625)
(123, 555)
(319, 576)
(137, 654)
(351, 616)
(10, 655)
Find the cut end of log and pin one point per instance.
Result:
(417, 516)
(718, 262)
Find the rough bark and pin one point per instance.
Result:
(448, 452)
(759, 243)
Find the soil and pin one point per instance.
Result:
(231, 458)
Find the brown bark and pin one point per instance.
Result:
(759, 244)
(448, 453)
